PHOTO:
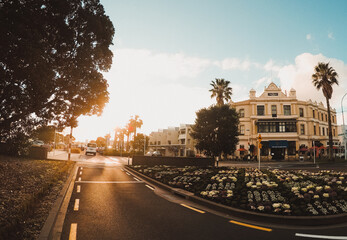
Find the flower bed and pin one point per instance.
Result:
(296, 193)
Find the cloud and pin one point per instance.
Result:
(299, 77)
(235, 63)
(331, 36)
(308, 36)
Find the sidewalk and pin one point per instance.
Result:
(63, 155)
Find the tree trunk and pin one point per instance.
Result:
(330, 133)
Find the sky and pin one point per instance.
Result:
(166, 53)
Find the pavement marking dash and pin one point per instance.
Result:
(122, 169)
(128, 173)
(73, 231)
(80, 172)
(319, 236)
(81, 168)
(77, 204)
(78, 188)
(194, 209)
(149, 187)
(136, 179)
(251, 226)
(79, 179)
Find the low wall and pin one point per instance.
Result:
(172, 161)
(38, 152)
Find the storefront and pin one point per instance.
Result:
(278, 149)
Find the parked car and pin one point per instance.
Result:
(37, 143)
(154, 154)
(91, 148)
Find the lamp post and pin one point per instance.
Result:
(344, 130)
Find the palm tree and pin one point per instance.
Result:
(135, 122)
(323, 78)
(221, 91)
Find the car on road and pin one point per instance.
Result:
(91, 148)
(154, 154)
(37, 143)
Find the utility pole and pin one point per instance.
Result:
(70, 140)
(259, 147)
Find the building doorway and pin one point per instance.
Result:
(278, 153)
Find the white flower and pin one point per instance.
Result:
(286, 206)
(294, 189)
(325, 194)
(258, 184)
(316, 196)
(319, 188)
(339, 182)
(341, 178)
(276, 205)
(261, 208)
(249, 184)
(326, 187)
(304, 189)
(203, 193)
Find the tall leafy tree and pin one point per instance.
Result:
(52, 54)
(216, 130)
(135, 122)
(221, 91)
(324, 78)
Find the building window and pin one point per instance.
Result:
(282, 127)
(242, 130)
(301, 112)
(274, 110)
(314, 130)
(322, 117)
(323, 131)
(302, 129)
(169, 142)
(333, 119)
(334, 132)
(313, 114)
(326, 117)
(183, 141)
(286, 110)
(276, 127)
(242, 113)
(272, 127)
(260, 110)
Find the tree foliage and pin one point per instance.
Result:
(324, 78)
(139, 141)
(221, 90)
(51, 57)
(45, 133)
(216, 130)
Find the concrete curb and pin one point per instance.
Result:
(51, 221)
(294, 221)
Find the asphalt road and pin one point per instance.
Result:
(109, 203)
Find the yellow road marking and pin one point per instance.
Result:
(77, 204)
(251, 226)
(149, 187)
(78, 188)
(73, 231)
(194, 209)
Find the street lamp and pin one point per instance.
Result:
(344, 130)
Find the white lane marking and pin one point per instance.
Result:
(77, 204)
(73, 231)
(128, 173)
(80, 172)
(137, 179)
(109, 182)
(79, 179)
(122, 169)
(78, 188)
(81, 168)
(319, 236)
(149, 187)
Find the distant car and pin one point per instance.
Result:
(37, 143)
(91, 148)
(154, 154)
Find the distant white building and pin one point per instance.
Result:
(173, 141)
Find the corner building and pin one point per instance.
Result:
(287, 125)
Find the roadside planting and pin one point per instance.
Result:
(291, 193)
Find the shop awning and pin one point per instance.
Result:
(278, 144)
